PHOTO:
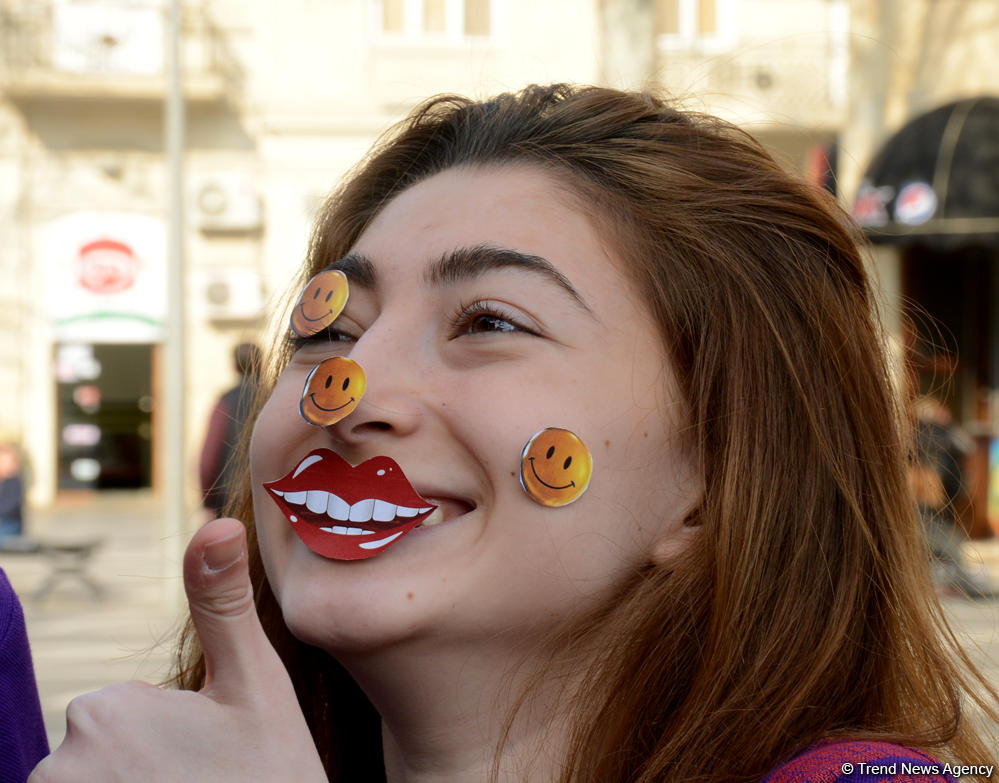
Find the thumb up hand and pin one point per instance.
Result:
(245, 724)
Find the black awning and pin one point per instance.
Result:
(936, 181)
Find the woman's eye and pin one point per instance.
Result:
(320, 338)
(484, 318)
(489, 323)
(336, 336)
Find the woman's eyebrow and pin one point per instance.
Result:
(359, 270)
(467, 263)
(463, 263)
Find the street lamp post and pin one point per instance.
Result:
(175, 376)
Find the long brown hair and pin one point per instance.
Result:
(803, 608)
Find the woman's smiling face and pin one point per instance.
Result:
(483, 308)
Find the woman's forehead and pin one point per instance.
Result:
(468, 220)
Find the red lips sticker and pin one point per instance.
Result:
(347, 513)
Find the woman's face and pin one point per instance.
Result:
(483, 308)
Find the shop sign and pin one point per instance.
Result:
(871, 207)
(915, 204)
(104, 277)
(106, 266)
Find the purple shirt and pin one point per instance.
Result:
(839, 761)
(23, 742)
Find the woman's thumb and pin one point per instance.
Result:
(240, 662)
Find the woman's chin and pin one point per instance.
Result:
(344, 633)
(342, 616)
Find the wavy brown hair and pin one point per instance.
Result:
(803, 608)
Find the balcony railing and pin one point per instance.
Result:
(107, 49)
(799, 80)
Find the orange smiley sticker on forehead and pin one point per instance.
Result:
(332, 391)
(555, 467)
(321, 302)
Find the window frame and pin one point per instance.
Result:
(414, 32)
(688, 38)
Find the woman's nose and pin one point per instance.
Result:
(396, 386)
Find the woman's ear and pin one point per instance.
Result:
(677, 538)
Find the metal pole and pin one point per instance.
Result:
(174, 370)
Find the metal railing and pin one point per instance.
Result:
(32, 42)
(801, 77)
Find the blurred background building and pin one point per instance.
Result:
(889, 104)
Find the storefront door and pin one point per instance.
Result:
(104, 407)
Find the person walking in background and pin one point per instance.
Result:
(937, 479)
(225, 427)
(11, 492)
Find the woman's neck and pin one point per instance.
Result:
(446, 713)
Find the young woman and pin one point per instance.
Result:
(742, 580)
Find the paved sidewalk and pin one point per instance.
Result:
(978, 620)
(81, 643)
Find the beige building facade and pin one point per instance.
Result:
(282, 98)
(919, 164)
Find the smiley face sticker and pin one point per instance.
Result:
(555, 467)
(332, 391)
(321, 302)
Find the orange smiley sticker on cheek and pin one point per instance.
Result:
(321, 302)
(555, 467)
(332, 391)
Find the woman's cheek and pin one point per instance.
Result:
(278, 423)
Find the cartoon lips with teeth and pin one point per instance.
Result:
(555, 467)
(323, 299)
(347, 513)
(332, 391)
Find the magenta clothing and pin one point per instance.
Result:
(23, 742)
(832, 761)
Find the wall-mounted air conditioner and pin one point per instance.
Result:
(232, 293)
(226, 203)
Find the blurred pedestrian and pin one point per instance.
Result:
(11, 492)
(937, 480)
(225, 426)
(23, 742)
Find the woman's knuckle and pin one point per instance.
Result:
(99, 707)
(81, 709)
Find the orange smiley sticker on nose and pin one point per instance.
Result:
(332, 391)
(321, 302)
(555, 467)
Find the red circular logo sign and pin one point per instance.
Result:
(107, 266)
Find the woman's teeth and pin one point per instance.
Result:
(434, 519)
(370, 509)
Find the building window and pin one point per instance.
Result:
(435, 20)
(695, 24)
(667, 17)
(477, 20)
(393, 16)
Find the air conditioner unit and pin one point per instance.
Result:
(233, 294)
(227, 203)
